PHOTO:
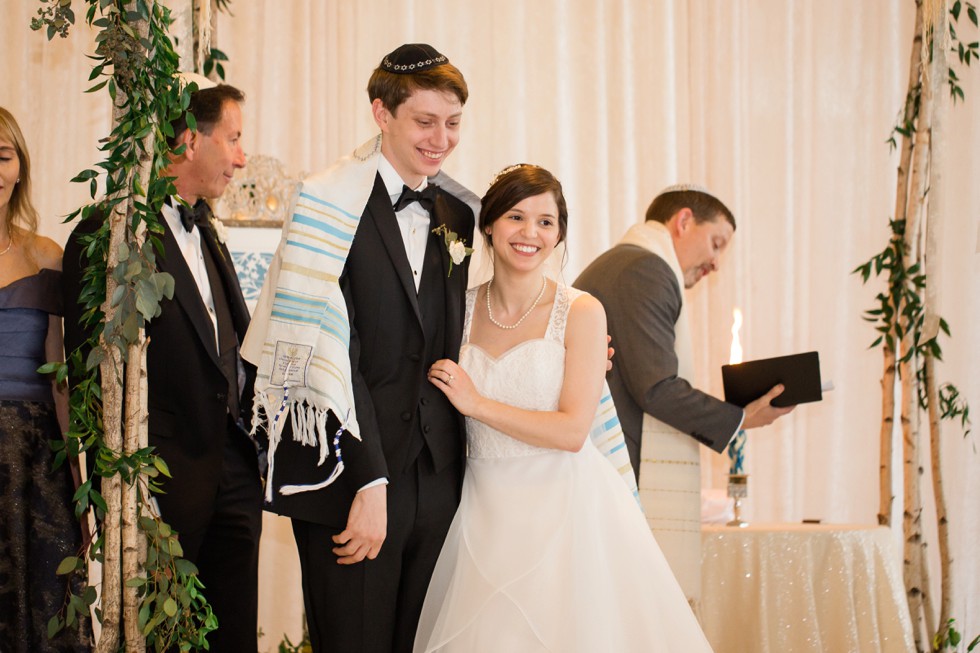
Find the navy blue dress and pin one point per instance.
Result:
(37, 525)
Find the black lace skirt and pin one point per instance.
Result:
(37, 530)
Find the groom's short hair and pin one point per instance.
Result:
(394, 88)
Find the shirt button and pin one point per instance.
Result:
(406, 416)
(426, 429)
(414, 357)
(424, 401)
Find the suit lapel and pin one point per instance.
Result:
(229, 280)
(379, 209)
(441, 215)
(185, 291)
(454, 281)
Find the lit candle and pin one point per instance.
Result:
(736, 448)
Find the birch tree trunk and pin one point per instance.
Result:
(133, 540)
(125, 550)
(942, 523)
(886, 498)
(182, 30)
(912, 517)
(915, 560)
(112, 373)
(934, 203)
(204, 18)
(887, 432)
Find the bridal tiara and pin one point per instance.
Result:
(510, 169)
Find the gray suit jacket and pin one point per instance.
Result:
(643, 301)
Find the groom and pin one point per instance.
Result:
(369, 537)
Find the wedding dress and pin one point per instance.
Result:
(548, 551)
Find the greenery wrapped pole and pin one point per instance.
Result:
(151, 597)
(907, 318)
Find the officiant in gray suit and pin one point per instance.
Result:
(640, 282)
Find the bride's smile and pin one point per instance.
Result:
(527, 234)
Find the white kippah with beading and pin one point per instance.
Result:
(680, 188)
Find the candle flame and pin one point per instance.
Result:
(736, 356)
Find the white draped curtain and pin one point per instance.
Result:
(782, 108)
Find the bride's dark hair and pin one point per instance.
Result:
(515, 184)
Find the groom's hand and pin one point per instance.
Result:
(367, 526)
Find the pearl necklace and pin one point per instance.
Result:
(544, 284)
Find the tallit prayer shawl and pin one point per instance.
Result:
(670, 463)
(607, 436)
(299, 338)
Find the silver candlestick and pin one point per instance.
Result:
(738, 489)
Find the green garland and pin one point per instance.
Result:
(138, 74)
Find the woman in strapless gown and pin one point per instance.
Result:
(38, 528)
(548, 550)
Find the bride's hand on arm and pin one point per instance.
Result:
(456, 384)
(565, 428)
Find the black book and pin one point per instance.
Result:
(800, 373)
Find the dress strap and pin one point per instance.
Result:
(564, 298)
(468, 320)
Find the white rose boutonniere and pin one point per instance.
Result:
(457, 251)
(456, 246)
(220, 230)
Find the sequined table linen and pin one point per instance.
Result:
(803, 588)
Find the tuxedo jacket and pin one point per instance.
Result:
(186, 390)
(643, 302)
(396, 335)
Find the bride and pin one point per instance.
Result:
(548, 550)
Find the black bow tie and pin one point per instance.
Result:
(198, 214)
(426, 198)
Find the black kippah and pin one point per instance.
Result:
(412, 58)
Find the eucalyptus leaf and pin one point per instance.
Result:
(54, 624)
(68, 565)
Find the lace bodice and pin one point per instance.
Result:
(528, 375)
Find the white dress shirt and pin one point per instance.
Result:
(413, 220)
(190, 245)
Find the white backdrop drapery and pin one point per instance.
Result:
(782, 108)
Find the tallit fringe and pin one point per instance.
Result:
(309, 429)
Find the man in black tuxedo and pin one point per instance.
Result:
(368, 542)
(199, 389)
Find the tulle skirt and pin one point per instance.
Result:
(550, 552)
